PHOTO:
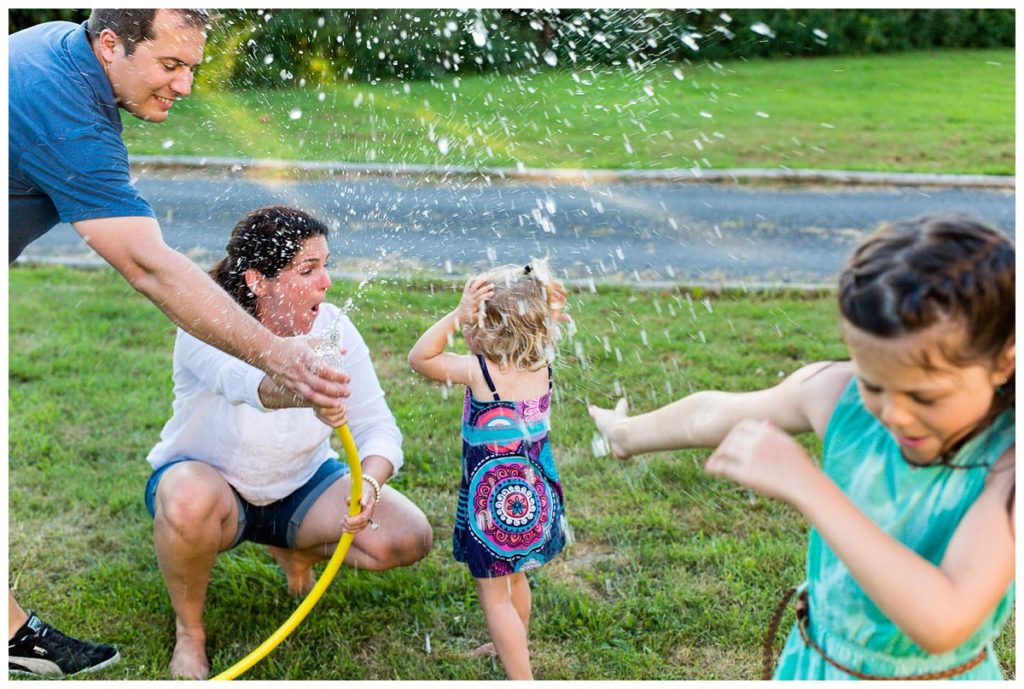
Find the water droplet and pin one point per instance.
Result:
(550, 58)
(167, 143)
(820, 34)
(762, 114)
(479, 32)
(442, 145)
(268, 58)
(295, 114)
(762, 29)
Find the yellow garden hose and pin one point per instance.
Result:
(352, 455)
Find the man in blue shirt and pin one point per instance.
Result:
(68, 163)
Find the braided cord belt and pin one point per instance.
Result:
(802, 618)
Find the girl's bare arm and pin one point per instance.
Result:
(802, 402)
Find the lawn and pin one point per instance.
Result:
(949, 111)
(673, 574)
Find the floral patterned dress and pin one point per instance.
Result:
(511, 513)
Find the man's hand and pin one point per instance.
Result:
(293, 364)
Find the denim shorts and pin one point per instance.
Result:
(275, 524)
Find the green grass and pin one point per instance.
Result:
(946, 111)
(673, 574)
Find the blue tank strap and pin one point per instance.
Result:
(487, 376)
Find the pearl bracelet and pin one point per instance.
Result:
(375, 485)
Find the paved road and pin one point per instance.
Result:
(629, 232)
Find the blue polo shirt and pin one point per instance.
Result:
(67, 161)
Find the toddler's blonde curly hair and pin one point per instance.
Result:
(517, 327)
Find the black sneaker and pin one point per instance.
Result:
(39, 649)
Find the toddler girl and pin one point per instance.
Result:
(510, 516)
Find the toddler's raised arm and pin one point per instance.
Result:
(427, 357)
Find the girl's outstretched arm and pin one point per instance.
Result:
(802, 402)
(428, 357)
(939, 607)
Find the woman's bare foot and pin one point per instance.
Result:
(486, 649)
(188, 661)
(298, 570)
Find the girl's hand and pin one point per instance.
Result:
(335, 417)
(474, 294)
(606, 419)
(557, 296)
(758, 455)
(355, 524)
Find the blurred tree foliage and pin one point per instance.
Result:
(270, 48)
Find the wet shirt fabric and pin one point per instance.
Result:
(920, 507)
(67, 161)
(511, 514)
(264, 454)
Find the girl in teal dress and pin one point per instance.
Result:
(510, 516)
(910, 562)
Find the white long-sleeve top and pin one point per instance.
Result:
(266, 454)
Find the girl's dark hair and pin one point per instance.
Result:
(267, 240)
(913, 274)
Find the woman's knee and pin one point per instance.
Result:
(190, 499)
(408, 538)
(419, 534)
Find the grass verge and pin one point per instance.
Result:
(948, 111)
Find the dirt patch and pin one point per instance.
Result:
(578, 567)
(716, 662)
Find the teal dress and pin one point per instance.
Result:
(920, 507)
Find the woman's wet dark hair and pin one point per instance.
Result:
(913, 274)
(266, 239)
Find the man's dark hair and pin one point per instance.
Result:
(136, 26)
